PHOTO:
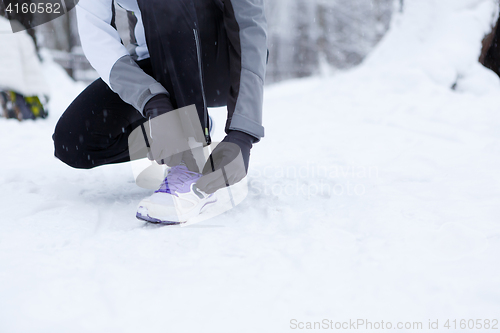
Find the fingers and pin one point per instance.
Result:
(171, 160)
(223, 154)
(165, 135)
(150, 156)
(211, 182)
(230, 173)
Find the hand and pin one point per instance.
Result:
(168, 141)
(158, 105)
(230, 162)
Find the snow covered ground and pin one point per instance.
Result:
(375, 195)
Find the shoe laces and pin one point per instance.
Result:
(177, 178)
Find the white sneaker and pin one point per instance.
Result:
(177, 200)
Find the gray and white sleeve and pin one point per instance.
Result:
(102, 46)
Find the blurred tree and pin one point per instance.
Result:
(305, 56)
(304, 34)
(490, 53)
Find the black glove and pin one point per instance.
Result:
(228, 163)
(158, 105)
(168, 144)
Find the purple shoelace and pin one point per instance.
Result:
(179, 179)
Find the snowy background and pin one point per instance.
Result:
(375, 195)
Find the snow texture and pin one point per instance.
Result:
(374, 195)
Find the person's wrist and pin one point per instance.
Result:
(242, 137)
(158, 105)
(244, 141)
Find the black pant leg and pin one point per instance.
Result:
(94, 130)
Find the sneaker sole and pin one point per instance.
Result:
(154, 220)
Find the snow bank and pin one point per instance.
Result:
(439, 40)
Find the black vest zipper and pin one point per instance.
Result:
(200, 69)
